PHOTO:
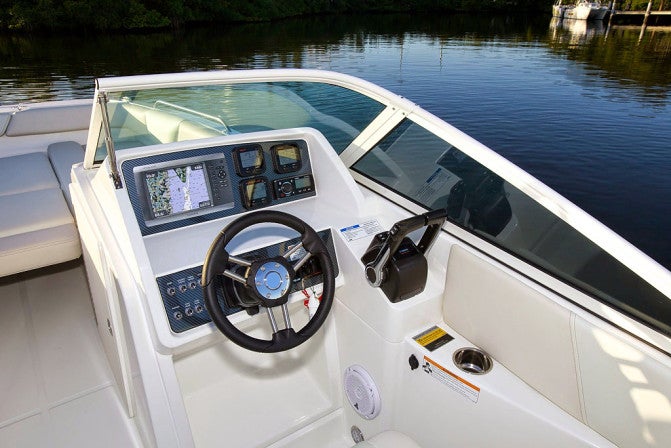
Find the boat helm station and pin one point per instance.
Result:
(294, 258)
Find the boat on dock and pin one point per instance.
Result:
(301, 258)
(582, 10)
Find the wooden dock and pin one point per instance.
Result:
(640, 14)
(660, 17)
(647, 18)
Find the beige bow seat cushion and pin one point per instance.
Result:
(36, 228)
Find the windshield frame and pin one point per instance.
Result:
(111, 86)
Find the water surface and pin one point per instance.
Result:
(587, 112)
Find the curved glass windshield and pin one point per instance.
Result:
(148, 117)
(435, 174)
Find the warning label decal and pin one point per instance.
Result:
(358, 231)
(433, 338)
(454, 381)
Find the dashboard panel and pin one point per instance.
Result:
(178, 189)
(182, 294)
(174, 190)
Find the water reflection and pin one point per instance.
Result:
(587, 112)
(578, 32)
(619, 54)
(56, 67)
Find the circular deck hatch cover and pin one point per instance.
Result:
(362, 392)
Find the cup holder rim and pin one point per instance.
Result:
(485, 361)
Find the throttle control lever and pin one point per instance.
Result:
(394, 263)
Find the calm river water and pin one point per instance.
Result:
(588, 113)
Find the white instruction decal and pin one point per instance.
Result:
(358, 231)
(437, 185)
(454, 381)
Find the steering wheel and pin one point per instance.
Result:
(268, 282)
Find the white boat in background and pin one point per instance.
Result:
(559, 9)
(582, 10)
(299, 259)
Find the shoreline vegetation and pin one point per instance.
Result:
(146, 15)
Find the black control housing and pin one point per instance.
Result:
(405, 273)
(395, 263)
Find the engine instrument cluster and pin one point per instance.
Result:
(177, 189)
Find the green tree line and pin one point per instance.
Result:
(110, 15)
(641, 5)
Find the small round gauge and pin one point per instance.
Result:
(249, 160)
(286, 158)
(254, 192)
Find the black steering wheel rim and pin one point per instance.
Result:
(217, 260)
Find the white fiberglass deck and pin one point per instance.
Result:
(57, 389)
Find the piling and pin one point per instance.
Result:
(645, 20)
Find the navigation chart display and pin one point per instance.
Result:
(176, 190)
(190, 185)
(180, 189)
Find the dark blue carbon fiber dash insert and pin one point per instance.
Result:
(183, 295)
(136, 194)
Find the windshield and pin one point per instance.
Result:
(152, 116)
(433, 173)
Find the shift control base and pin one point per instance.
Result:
(394, 263)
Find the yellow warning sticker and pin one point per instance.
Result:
(433, 338)
(452, 380)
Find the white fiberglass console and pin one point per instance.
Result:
(145, 246)
(177, 197)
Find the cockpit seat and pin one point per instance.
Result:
(62, 156)
(388, 439)
(37, 228)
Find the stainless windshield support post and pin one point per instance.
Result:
(109, 143)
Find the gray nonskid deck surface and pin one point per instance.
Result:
(56, 388)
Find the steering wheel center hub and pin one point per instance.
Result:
(272, 280)
(266, 282)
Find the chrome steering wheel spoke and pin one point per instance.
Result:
(273, 320)
(239, 261)
(285, 314)
(293, 250)
(299, 264)
(236, 277)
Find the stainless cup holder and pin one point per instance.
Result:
(473, 360)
